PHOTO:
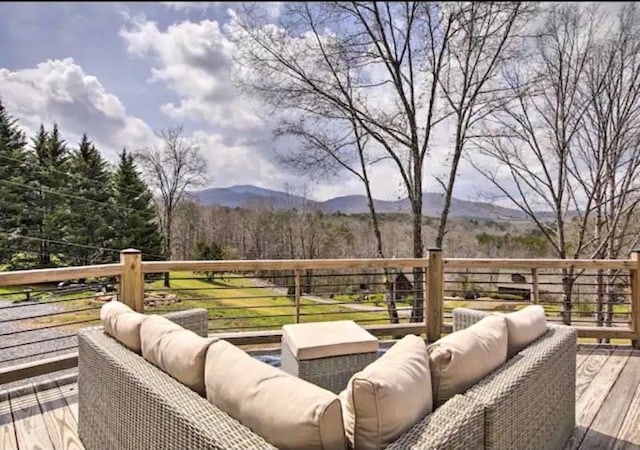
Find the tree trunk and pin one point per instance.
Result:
(448, 193)
(389, 298)
(568, 281)
(417, 309)
(167, 249)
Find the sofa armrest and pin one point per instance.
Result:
(196, 320)
(458, 424)
(127, 403)
(530, 400)
(464, 318)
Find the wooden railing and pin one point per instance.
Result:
(437, 273)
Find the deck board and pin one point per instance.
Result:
(31, 431)
(70, 393)
(7, 430)
(60, 422)
(590, 368)
(607, 406)
(629, 435)
(591, 400)
(584, 351)
(606, 425)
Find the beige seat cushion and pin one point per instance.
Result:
(324, 339)
(461, 359)
(389, 396)
(524, 327)
(122, 323)
(180, 353)
(288, 412)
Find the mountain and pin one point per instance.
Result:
(249, 196)
(257, 197)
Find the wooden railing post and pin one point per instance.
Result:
(535, 286)
(635, 298)
(132, 279)
(435, 294)
(297, 294)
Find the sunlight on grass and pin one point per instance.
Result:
(238, 303)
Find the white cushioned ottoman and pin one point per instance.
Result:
(327, 354)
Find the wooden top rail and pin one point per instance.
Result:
(65, 273)
(280, 264)
(489, 263)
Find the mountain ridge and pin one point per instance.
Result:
(249, 196)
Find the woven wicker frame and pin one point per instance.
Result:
(196, 320)
(332, 373)
(456, 425)
(530, 400)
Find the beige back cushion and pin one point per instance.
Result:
(524, 327)
(286, 411)
(389, 396)
(180, 353)
(461, 359)
(122, 323)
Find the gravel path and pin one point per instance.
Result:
(51, 342)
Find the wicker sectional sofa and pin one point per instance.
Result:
(127, 403)
(529, 402)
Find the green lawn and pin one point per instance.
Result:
(230, 304)
(237, 303)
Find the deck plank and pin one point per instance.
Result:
(584, 351)
(70, 393)
(606, 425)
(590, 368)
(629, 435)
(7, 430)
(31, 431)
(588, 404)
(57, 416)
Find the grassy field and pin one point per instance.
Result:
(233, 303)
(240, 303)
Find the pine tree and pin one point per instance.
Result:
(135, 224)
(48, 204)
(12, 174)
(87, 219)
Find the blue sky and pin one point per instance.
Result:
(119, 71)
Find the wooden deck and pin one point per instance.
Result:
(607, 410)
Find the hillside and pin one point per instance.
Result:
(256, 197)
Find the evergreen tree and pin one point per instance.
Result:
(87, 220)
(211, 251)
(48, 208)
(135, 224)
(12, 174)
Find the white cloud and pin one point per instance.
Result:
(238, 163)
(188, 6)
(271, 8)
(194, 60)
(60, 91)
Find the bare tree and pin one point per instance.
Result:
(568, 142)
(171, 169)
(488, 39)
(609, 148)
(326, 153)
(377, 64)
